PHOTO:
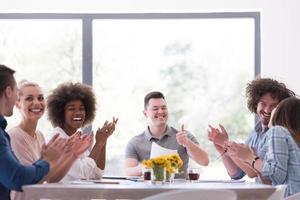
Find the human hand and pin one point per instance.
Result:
(54, 149)
(107, 130)
(220, 149)
(240, 151)
(217, 136)
(181, 137)
(74, 137)
(81, 144)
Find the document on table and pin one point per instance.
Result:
(221, 181)
(157, 150)
(115, 177)
(95, 181)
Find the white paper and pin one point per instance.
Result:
(221, 181)
(157, 150)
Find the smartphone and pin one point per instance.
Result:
(87, 130)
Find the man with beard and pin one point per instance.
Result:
(263, 95)
(158, 131)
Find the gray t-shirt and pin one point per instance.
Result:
(139, 147)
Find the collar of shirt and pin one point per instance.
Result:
(149, 136)
(258, 128)
(61, 132)
(3, 122)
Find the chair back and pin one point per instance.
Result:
(195, 195)
(279, 193)
(294, 197)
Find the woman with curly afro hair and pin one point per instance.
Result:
(263, 95)
(72, 106)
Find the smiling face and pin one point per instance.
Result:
(31, 102)
(264, 108)
(74, 116)
(157, 112)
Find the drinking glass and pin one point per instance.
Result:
(193, 174)
(147, 174)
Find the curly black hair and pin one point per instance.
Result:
(63, 94)
(261, 86)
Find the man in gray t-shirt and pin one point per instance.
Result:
(139, 147)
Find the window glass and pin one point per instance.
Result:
(201, 65)
(47, 52)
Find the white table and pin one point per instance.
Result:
(136, 190)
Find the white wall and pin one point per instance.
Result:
(280, 23)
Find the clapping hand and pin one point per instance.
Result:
(240, 151)
(54, 149)
(107, 130)
(217, 136)
(81, 144)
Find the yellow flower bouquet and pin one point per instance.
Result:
(163, 166)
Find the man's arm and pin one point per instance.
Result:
(232, 169)
(196, 153)
(245, 167)
(235, 151)
(133, 167)
(14, 175)
(193, 149)
(236, 168)
(219, 137)
(273, 169)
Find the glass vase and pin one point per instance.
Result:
(158, 175)
(170, 177)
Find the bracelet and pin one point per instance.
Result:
(253, 162)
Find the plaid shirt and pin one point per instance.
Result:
(282, 160)
(257, 139)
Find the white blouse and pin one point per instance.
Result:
(83, 168)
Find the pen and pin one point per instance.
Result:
(220, 156)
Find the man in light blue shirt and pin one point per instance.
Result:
(263, 95)
(281, 163)
(257, 140)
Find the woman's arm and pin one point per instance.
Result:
(76, 146)
(98, 152)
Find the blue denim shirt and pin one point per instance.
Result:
(13, 175)
(256, 139)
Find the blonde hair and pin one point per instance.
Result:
(24, 83)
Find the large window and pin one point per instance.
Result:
(45, 51)
(201, 62)
(201, 65)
